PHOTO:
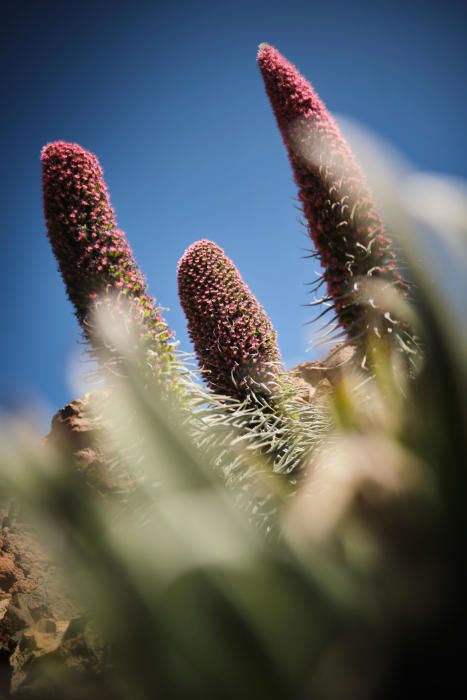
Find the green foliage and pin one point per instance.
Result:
(262, 446)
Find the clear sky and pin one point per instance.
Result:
(169, 97)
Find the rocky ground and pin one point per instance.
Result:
(42, 629)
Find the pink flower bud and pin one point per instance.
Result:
(343, 223)
(76, 202)
(233, 338)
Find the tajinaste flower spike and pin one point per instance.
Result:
(343, 223)
(233, 337)
(93, 254)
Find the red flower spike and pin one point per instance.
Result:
(232, 335)
(343, 223)
(93, 254)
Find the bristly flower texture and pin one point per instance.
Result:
(93, 254)
(343, 223)
(233, 337)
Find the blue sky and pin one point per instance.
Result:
(169, 97)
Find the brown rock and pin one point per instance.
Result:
(317, 379)
(75, 424)
(80, 429)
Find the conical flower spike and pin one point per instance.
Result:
(233, 338)
(93, 255)
(345, 228)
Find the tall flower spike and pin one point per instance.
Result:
(93, 254)
(233, 338)
(343, 223)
